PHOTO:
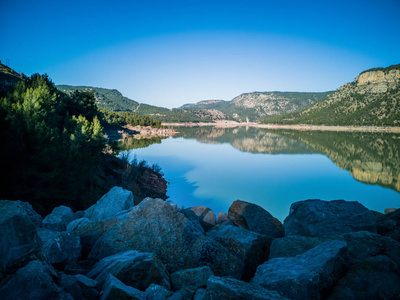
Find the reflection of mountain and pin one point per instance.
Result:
(372, 158)
(247, 139)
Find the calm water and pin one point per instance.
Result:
(214, 167)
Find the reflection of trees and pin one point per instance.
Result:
(130, 142)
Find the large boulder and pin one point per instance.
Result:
(156, 226)
(250, 247)
(116, 200)
(34, 281)
(196, 277)
(229, 288)
(133, 268)
(306, 276)
(62, 248)
(254, 218)
(389, 225)
(321, 218)
(79, 286)
(59, 218)
(115, 289)
(205, 216)
(12, 208)
(157, 292)
(19, 242)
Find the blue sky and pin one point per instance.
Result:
(168, 53)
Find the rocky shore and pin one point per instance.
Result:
(156, 250)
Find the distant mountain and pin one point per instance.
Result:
(372, 99)
(259, 105)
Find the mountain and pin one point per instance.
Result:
(372, 99)
(8, 78)
(259, 105)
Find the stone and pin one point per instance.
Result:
(388, 210)
(19, 242)
(45, 234)
(62, 247)
(201, 294)
(12, 208)
(133, 268)
(321, 218)
(250, 247)
(76, 223)
(377, 277)
(116, 200)
(196, 277)
(157, 292)
(229, 288)
(185, 293)
(79, 286)
(34, 281)
(222, 217)
(389, 225)
(59, 218)
(310, 275)
(115, 289)
(254, 218)
(156, 226)
(205, 216)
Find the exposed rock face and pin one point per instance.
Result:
(229, 288)
(254, 218)
(250, 247)
(307, 276)
(196, 277)
(133, 268)
(156, 226)
(115, 289)
(112, 203)
(389, 225)
(377, 76)
(62, 248)
(321, 218)
(59, 218)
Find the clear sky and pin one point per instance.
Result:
(168, 53)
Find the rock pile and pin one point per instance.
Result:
(155, 250)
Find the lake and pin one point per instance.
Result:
(212, 167)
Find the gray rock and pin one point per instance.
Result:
(201, 294)
(59, 218)
(389, 225)
(254, 218)
(306, 276)
(250, 247)
(196, 277)
(76, 223)
(157, 292)
(156, 226)
(194, 219)
(19, 242)
(31, 282)
(45, 234)
(205, 216)
(389, 210)
(116, 200)
(377, 277)
(321, 218)
(185, 293)
(229, 288)
(62, 247)
(222, 217)
(133, 268)
(115, 289)
(79, 286)
(14, 208)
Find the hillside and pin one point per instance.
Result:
(259, 105)
(8, 78)
(372, 99)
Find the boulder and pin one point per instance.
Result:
(185, 293)
(45, 234)
(389, 210)
(116, 200)
(59, 218)
(196, 277)
(250, 247)
(377, 277)
(156, 226)
(321, 218)
(389, 225)
(254, 218)
(62, 247)
(77, 223)
(34, 281)
(190, 215)
(205, 216)
(222, 218)
(133, 268)
(306, 276)
(79, 286)
(19, 242)
(157, 292)
(201, 294)
(229, 288)
(13, 208)
(115, 289)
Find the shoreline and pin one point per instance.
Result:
(300, 127)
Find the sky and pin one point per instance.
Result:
(168, 53)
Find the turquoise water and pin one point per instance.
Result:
(206, 171)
